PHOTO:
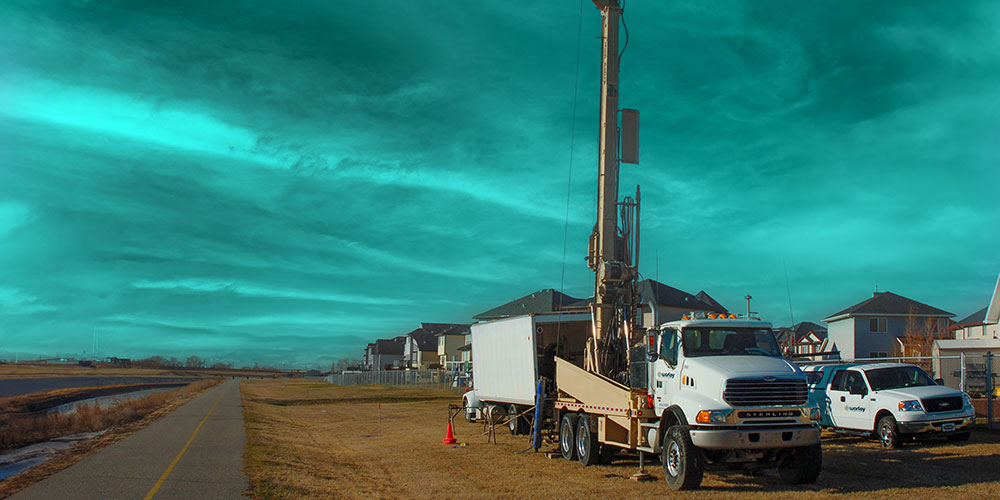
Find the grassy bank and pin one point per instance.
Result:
(323, 441)
(18, 430)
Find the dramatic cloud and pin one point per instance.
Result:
(284, 184)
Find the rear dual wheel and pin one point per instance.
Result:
(567, 436)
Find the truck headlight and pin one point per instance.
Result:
(966, 400)
(814, 413)
(713, 416)
(912, 405)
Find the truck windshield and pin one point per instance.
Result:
(708, 341)
(898, 376)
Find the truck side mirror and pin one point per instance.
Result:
(651, 356)
(939, 381)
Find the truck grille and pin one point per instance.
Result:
(938, 405)
(765, 392)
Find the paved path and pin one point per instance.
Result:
(194, 452)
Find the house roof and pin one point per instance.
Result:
(802, 329)
(888, 303)
(446, 328)
(976, 318)
(706, 298)
(668, 296)
(542, 301)
(425, 339)
(388, 346)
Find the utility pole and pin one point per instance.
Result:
(748, 297)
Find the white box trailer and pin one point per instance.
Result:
(509, 355)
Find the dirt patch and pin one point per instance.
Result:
(341, 449)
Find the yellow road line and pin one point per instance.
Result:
(170, 468)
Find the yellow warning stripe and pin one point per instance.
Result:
(170, 468)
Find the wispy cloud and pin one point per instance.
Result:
(201, 285)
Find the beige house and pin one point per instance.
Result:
(449, 342)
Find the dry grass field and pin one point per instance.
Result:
(312, 440)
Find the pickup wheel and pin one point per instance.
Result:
(802, 466)
(588, 448)
(888, 433)
(958, 437)
(683, 465)
(567, 436)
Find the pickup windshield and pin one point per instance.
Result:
(708, 341)
(898, 376)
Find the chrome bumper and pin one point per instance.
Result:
(962, 422)
(754, 439)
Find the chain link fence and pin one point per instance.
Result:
(455, 381)
(975, 374)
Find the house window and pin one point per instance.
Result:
(876, 325)
(878, 354)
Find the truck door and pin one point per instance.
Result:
(848, 400)
(666, 369)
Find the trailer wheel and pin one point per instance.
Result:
(567, 440)
(683, 465)
(512, 420)
(888, 433)
(588, 448)
(802, 466)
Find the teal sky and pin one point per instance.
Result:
(285, 183)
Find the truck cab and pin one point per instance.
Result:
(721, 388)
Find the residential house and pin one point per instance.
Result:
(884, 325)
(807, 338)
(421, 349)
(450, 337)
(542, 301)
(659, 303)
(982, 323)
(466, 351)
(388, 353)
(368, 360)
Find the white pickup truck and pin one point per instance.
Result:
(891, 401)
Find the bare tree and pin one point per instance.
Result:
(194, 362)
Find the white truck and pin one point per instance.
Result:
(892, 401)
(708, 392)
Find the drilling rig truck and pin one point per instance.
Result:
(707, 391)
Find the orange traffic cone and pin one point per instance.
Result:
(449, 438)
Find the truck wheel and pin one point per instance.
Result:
(682, 460)
(588, 448)
(888, 433)
(959, 437)
(567, 439)
(802, 466)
